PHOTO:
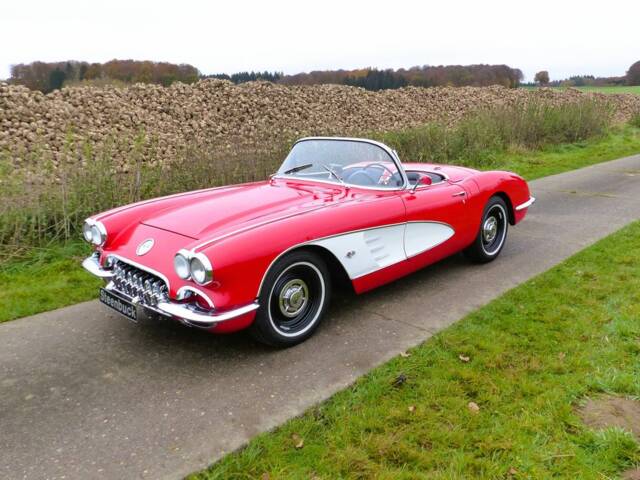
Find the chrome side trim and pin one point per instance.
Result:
(350, 186)
(201, 318)
(526, 204)
(92, 265)
(313, 242)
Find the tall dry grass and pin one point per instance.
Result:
(474, 139)
(50, 206)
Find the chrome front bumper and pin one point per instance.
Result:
(187, 313)
(92, 265)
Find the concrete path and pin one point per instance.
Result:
(86, 394)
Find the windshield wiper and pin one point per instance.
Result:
(298, 168)
(332, 172)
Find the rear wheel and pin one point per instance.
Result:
(493, 232)
(293, 299)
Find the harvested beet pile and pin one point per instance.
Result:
(160, 122)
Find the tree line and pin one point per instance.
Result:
(47, 77)
(242, 77)
(419, 76)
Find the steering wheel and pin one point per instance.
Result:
(383, 168)
(369, 180)
(380, 165)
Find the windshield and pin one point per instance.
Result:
(351, 162)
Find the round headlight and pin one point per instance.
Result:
(95, 235)
(94, 232)
(201, 270)
(86, 232)
(181, 266)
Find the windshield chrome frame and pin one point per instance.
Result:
(392, 154)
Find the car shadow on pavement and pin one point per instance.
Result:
(191, 345)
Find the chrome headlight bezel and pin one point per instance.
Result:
(182, 257)
(86, 232)
(94, 232)
(201, 269)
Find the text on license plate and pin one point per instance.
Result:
(119, 305)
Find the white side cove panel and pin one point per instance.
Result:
(366, 251)
(422, 236)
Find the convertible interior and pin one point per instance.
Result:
(377, 174)
(373, 174)
(423, 177)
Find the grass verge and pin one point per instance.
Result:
(602, 89)
(46, 279)
(619, 89)
(620, 142)
(525, 360)
(50, 277)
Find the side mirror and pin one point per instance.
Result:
(422, 180)
(425, 180)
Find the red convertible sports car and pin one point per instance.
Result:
(264, 255)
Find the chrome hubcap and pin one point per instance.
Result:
(293, 297)
(490, 229)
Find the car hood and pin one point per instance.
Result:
(219, 211)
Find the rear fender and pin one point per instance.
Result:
(509, 186)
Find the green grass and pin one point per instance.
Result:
(52, 277)
(534, 354)
(620, 142)
(45, 280)
(620, 89)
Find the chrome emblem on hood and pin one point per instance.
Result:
(144, 247)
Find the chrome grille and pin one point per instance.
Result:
(147, 288)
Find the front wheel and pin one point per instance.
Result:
(493, 232)
(294, 296)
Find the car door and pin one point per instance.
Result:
(437, 223)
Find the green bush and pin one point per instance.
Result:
(635, 120)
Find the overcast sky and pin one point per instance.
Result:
(566, 38)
